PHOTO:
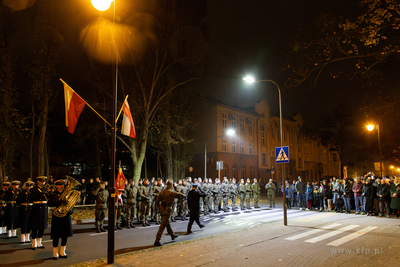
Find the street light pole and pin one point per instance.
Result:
(251, 80)
(228, 132)
(103, 5)
(370, 128)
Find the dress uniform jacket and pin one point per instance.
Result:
(39, 214)
(60, 226)
(12, 207)
(25, 208)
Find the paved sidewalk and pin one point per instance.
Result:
(266, 246)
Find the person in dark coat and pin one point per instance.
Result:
(193, 198)
(368, 197)
(61, 227)
(39, 216)
(347, 190)
(383, 193)
(24, 211)
(4, 189)
(289, 195)
(12, 209)
(395, 194)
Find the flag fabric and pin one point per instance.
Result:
(120, 183)
(128, 128)
(74, 105)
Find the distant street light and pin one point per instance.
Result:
(370, 128)
(228, 132)
(250, 79)
(103, 5)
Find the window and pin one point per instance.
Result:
(262, 128)
(242, 124)
(272, 131)
(264, 158)
(233, 146)
(250, 149)
(224, 116)
(243, 172)
(242, 147)
(225, 170)
(250, 127)
(234, 171)
(223, 144)
(300, 163)
(233, 121)
(250, 172)
(334, 157)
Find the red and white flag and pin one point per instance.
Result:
(74, 105)
(120, 183)
(128, 128)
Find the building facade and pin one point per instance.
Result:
(251, 152)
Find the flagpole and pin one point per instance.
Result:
(121, 108)
(86, 103)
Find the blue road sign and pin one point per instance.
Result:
(282, 154)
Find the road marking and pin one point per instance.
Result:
(330, 234)
(315, 217)
(352, 236)
(311, 232)
(241, 223)
(98, 234)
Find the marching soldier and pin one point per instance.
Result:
(4, 189)
(166, 198)
(242, 194)
(233, 192)
(131, 195)
(24, 211)
(216, 194)
(61, 227)
(39, 214)
(12, 209)
(248, 193)
(256, 192)
(155, 191)
(225, 194)
(144, 193)
(101, 207)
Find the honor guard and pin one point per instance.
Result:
(4, 189)
(144, 193)
(233, 193)
(255, 187)
(242, 194)
(12, 209)
(39, 214)
(131, 195)
(225, 194)
(25, 209)
(248, 193)
(156, 189)
(101, 207)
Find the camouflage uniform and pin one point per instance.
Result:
(131, 195)
(256, 193)
(139, 201)
(225, 194)
(101, 209)
(242, 195)
(174, 205)
(206, 199)
(144, 208)
(119, 209)
(248, 194)
(233, 195)
(156, 189)
(217, 196)
(182, 202)
(166, 199)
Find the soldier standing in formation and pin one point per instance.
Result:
(215, 190)
(101, 207)
(256, 192)
(225, 194)
(131, 194)
(4, 189)
(61, 227)
(271, 189)
(144, 192)
(12, 209)
(206, 199)
(233, 192)
(24, 211)
(139, 200)
(39, 214)
(248, 193)
(210, 195)
(156, 206)
(182, 202)
(242, 194)
(166, 199)
(119, 208)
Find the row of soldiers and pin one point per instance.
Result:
(137, 202)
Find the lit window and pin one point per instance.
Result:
(224, 123)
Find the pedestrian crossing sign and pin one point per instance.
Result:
(282, 154)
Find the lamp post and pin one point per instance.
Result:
(228, 132)
(103, 5)
(250, 79)
(370, 128)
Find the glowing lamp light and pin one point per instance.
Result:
(230, 132)
(249, 79)
(370, 127)
(101, 5)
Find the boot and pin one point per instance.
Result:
(34, 244)
(9, 234)
(173, 220)
(147, 223)
(158, 244)
(157, 222)
(22, 238)
(14, 233)
(174, 236)
(63, 254)
(101, 228)
(1, 230)
(39, 243)
(98, 229)
(117, 227)
(4, 230)
(55, 253)
(129, 226)
(27, 240)
(132, 225)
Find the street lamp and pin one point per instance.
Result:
(370, 128)
(103, 5)
(229, 132)
(250, 79)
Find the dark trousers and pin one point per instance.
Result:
(288, 203)
(37, 233)
(194, 217)
(63, 242)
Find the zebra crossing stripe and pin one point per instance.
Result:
(241, 223)
(352, 236)
(330, 234)
(311, 232)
